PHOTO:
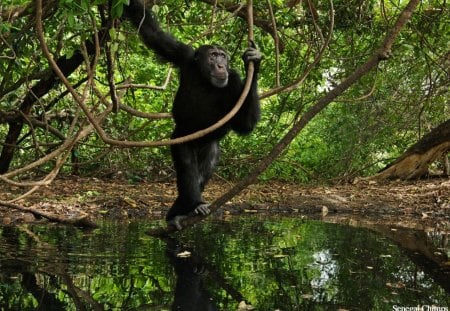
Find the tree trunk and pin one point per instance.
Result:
(446, 164)
(414, 162)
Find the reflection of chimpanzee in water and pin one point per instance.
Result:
(208, 90)
(190, 294)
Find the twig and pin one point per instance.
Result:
(110, 67)
(277, 45)
(146, 86)
(222, 22)
(50, 176)
(372, 90)
(110, 74)
(145, 115)
(310, 67)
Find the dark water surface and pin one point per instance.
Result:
(271, 263)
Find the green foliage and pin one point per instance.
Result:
(373, 122)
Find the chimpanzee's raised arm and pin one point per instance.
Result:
(164, 45)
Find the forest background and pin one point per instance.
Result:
(340, 101)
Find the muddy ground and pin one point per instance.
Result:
(419, 204)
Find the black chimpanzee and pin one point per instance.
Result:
(208, 90)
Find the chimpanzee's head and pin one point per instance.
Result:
(213, 64)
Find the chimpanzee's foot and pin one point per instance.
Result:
(176, 221)
(202, 209)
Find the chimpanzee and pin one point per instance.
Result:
(190, 291)
(208, 90)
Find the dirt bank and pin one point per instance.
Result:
(420, 204)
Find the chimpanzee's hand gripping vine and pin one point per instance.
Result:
(208, 90)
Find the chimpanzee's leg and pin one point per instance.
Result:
(185, 159)
(208, 157)
(194, 165)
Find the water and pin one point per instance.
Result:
(271, 264)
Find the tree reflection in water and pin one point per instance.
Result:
(286, 264)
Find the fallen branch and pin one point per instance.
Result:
(415, 161)
(81, 221)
